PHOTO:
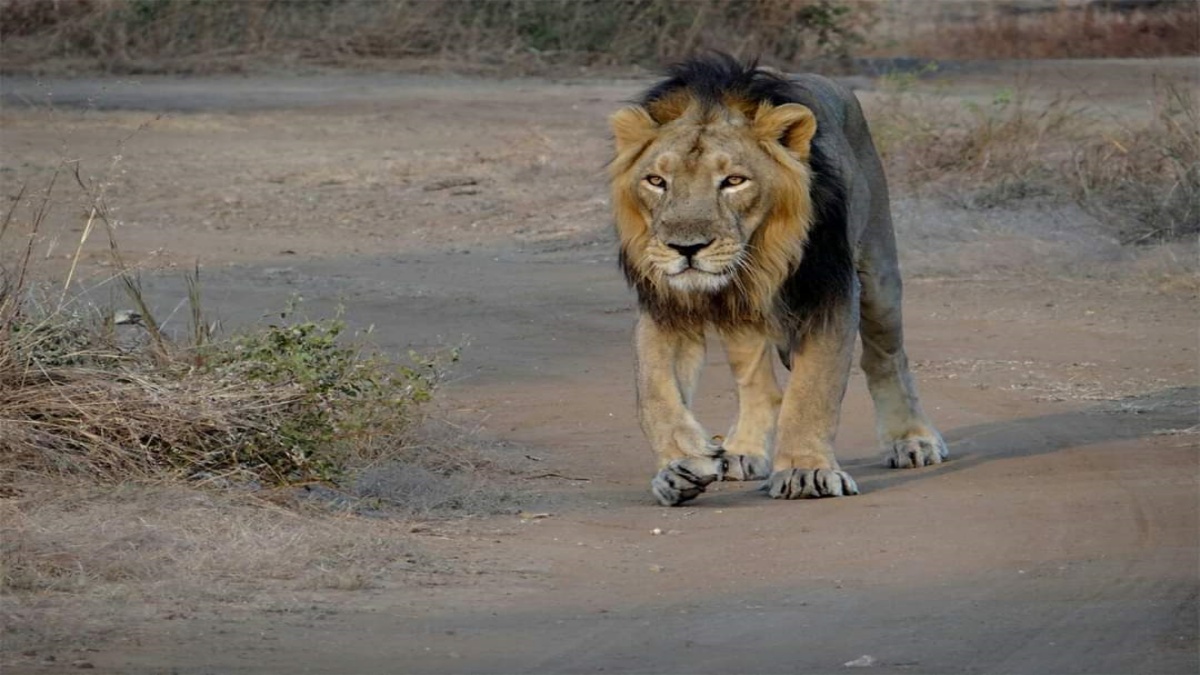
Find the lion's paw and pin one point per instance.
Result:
(916, 451)
(684, 479)
(745, 467)
(810, 484)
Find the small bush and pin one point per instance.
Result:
(89, 392)
(355, 403)
(1146, 178)
(287, 403)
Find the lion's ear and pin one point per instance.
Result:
(632, 127)
(791, 124)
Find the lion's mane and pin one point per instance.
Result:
(799, 264)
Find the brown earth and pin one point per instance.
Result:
(1061, 367)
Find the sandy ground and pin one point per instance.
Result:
(1061, 367)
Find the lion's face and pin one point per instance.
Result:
(694, 193)
(701, 189)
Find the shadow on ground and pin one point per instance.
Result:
(1164, 411)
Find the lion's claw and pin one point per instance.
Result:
(916, 451)
(684, 479)
(746, 467)
(810, 483)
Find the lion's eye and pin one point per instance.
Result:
(733, 181)
(656, 181)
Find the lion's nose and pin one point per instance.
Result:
(690, 250)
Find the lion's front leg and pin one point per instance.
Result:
(668, 369)
(804, 465)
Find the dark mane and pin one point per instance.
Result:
(715, 77)
(824, 280)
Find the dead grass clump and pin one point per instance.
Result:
(1146, 178)
(115, 423)
(283, 404)
(183, 35)
(1060, 30)
(86, 392)
(1142, 179)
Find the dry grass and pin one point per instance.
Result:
(181, 35)
(114, 423)
(283, 404)
(86, 392)
(1049, 30)
(1005, 148)
(548, 35)
(1140, 178)
(1146, 178)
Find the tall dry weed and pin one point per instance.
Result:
(1145, 178)
(1142, 178)
(175, 35)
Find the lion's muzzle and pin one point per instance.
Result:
(698, 266)
(689, 251)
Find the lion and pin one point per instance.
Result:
(754, 205)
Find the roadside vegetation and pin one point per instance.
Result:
(515, 36)
(1035, 29)
(136, 451)
(90, 391)
(538, 36)
(1140, 176)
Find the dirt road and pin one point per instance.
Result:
(1062, 537)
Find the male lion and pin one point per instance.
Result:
(756, 205)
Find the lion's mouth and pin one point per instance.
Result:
(691, 279)
(696, 271)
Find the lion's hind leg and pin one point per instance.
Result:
(908, 438)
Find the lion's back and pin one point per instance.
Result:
(845, 137)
